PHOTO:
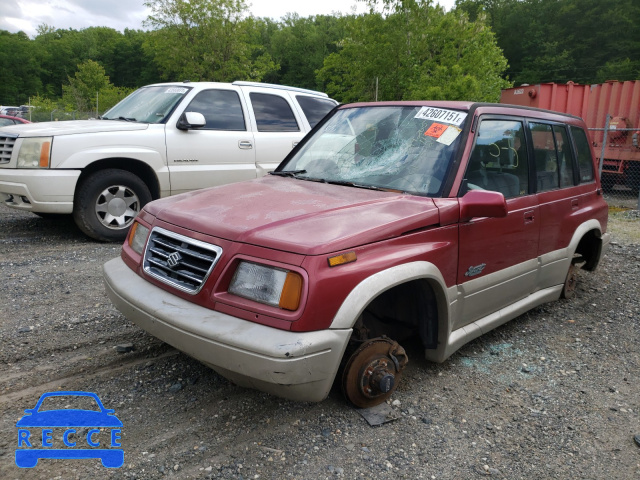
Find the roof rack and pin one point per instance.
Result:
(280, 87)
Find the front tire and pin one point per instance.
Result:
(107, 202)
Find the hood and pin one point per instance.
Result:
(297, 216)
(47, 129)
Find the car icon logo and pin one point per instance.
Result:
(69, 433)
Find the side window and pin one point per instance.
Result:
(273, 113)
(585, 162)
(499, 160)
(565, 160)
(545, 156)
(6, 121)
(314, 108)
(221, 109)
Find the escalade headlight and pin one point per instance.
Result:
(35, 152)
(138, 237)
(274, 286)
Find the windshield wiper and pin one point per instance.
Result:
(126, 119)
(359, 185)
(288, 173)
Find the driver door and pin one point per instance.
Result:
(221, 152)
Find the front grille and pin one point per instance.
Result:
(179, 261)
(6, 148)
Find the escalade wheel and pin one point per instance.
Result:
(373, 372)
(107, 202)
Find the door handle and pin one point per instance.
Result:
(574, 204)
(529, 217)
(245, 144)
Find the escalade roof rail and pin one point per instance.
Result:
(280, 87)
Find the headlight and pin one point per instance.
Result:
(35, 152)
(273, 286)
(138, 237)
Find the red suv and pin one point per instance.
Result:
(432, 220)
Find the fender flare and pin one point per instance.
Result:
(370, 288)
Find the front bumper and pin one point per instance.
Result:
(296, 365)
(42, 191)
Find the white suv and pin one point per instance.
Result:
(161, 140)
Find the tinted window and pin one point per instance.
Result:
(221, 109)
(273, 113)
(565, 160)
(545, 156)
(314, 108)
(585, 162)
(499, 160)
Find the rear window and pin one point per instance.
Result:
(314, 109)
(273, 113)
(585, 162)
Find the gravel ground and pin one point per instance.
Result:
(554, 394)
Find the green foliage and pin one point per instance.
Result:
(90, 89)
(204, 40)
(19, 69)
(585, 41)
(415, 51)
(300, 46)
(400, 49)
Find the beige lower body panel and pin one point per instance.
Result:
(296, 365)
(463, 335)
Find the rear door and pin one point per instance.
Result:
(221, 152)
(565, 189)
(497, 256)
(276, 124)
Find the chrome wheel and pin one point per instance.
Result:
(117, 206)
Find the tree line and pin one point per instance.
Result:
(397, 50)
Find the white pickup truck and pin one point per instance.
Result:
(161, 140)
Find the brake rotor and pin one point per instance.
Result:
(373, 372)
(569, 288)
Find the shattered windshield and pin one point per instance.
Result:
(148, 104)
(409, 149)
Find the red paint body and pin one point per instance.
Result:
(293, 224)
(620, 100)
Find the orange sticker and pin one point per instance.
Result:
(435, 130)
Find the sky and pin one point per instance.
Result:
(26, 15)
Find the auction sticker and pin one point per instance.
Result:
(435, 130)
(451, 117)
(449, 135)
(175, 90)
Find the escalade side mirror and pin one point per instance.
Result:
(189, 120)
(482, 203)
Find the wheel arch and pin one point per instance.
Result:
(137, 167)
(424, 275)
(589, 242)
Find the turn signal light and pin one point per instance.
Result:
(291, 292)
(342, 259)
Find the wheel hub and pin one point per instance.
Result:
(117, 207)
(373, 372)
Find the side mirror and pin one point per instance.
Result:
(482, 203)
(189, 120)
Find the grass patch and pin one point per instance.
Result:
(624, 224)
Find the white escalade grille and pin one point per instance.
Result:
(6, 148)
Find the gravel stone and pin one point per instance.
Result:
(573, 415)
